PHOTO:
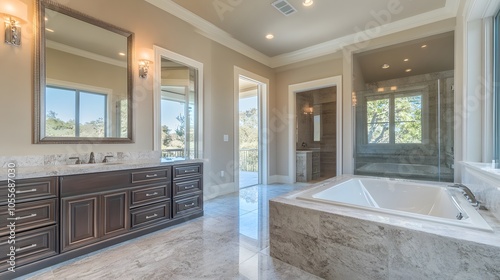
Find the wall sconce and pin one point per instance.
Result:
(308, 110)
(354, 99)
(15, 13)
(144, 68)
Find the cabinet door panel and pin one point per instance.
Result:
(115, 213)
(79, 221)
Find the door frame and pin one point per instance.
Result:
(306, 86)
(263, 124)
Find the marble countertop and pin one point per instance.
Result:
(73, 169)
(451, 231)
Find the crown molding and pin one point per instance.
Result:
(90, 55)
(209, 30)
(216, 34)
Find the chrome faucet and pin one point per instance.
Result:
(467, 193)
(106, 159)
(92, 158)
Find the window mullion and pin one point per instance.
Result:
(77, 113)
(392, 132)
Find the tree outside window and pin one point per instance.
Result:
(394, 119)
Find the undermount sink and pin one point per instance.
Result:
(94, 164)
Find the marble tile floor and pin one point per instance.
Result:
(231, 241)
(248, 178)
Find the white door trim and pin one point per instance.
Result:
(263, 135)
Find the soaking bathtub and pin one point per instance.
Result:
(425, 201)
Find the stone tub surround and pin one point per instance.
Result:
(336, 242)
(484, 182)
(59, 165)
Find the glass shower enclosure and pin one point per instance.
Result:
(404, 128)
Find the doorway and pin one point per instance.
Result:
(250, 129)
(333, 85)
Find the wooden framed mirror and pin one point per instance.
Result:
(83, 78)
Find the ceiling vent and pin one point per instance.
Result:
(284, 7)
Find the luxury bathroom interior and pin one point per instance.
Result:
(187, 140)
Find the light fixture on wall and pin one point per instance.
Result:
(14, 13)
(354, 99)
(144, 68)
(308, 110)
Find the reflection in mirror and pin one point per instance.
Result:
(178, 110)
(83, 91)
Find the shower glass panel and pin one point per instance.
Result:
(404, 128)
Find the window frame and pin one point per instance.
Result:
(420, 91)
(496, 87)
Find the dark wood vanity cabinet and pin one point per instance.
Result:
(90, 218)
(63, 217)
(36, 212)
(187, 189)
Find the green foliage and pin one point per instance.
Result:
(167, 138)
(407, 120)
(55, 127)
(249, 129)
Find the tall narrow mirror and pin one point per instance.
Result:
(84, 82)
(178, 98)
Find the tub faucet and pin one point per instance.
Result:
(467, 193)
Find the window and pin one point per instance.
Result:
(75, 113)
(394, 119)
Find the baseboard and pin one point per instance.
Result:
(279, 179)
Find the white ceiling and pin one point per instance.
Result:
(316, 30)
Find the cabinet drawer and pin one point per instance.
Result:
(150, 194)
(150, 214)
(29, 215)
(151, 175)
(30, 189)
(187, 187)
(185, 171)
(30, 246)
(188, 205)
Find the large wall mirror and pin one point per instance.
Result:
(178, 105)
(83, 78)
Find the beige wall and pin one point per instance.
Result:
(324, 67)
(151, 26)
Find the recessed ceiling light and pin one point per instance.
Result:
(269, 36)
(307, 3)
(121, 53)
(406, 60)
(408, 70)
(48, 29)
(385, 66)
(424, 46)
